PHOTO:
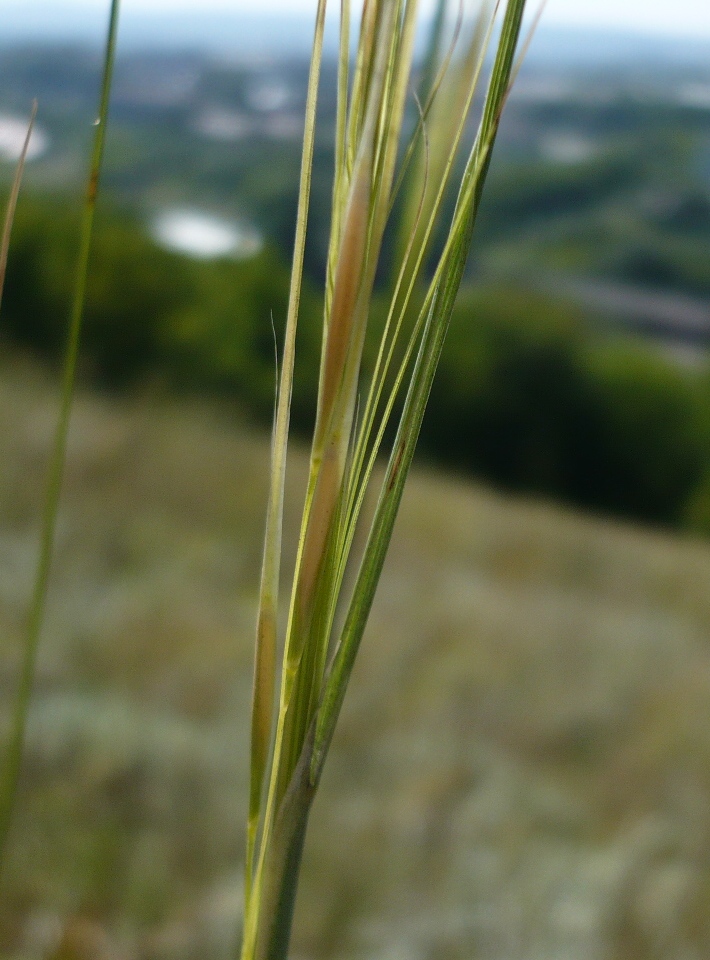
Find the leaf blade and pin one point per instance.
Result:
(10, 775)
(439, 314)
(267, 618)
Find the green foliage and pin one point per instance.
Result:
(223, 338)
(531, 400)
(525, 396)
(134, 289)
(501, 406)
(537, 193)
(641, 446)
(205, 326)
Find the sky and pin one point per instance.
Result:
(677, 17)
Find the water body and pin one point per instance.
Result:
(205, 236)
(567, 147)
(13, 131)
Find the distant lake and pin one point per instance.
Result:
(13, 131)
(567, 147)
(695, 95)
(205, 236)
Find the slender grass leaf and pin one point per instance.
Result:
(11, 772)
(438, 316)
(266, 642)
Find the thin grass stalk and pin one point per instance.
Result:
(421, 231)
(306, 644)
(303, 663)
(438, 317)
(433, 56)
(451, 105)
(425, 106)
(361, 78)
(361, 473)
(12, 200)
(11, 771)
(342, 457)
(317, 578)
(265, 665)
(341, 178)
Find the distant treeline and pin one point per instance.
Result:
(527, 396)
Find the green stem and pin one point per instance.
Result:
(282, 864)
(265, 662)
(11, 772)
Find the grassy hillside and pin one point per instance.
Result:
(523, 766)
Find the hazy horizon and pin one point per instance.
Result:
(237, 31)
(685, 19)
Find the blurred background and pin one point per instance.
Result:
(523, 767)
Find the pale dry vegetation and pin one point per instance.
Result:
(523, 764)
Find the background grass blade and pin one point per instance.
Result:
(12, 201)
(432, 57)
(11, 770)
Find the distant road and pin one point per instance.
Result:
(672, 316)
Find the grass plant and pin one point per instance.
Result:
(588, 681)
(326, 621)
(295, 710)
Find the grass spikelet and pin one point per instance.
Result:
(317, 654)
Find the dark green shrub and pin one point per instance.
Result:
(504, 402)
(225, 340)
(530, 400)
(641, 445)
(134, 290)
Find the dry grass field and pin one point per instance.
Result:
(522, 770)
